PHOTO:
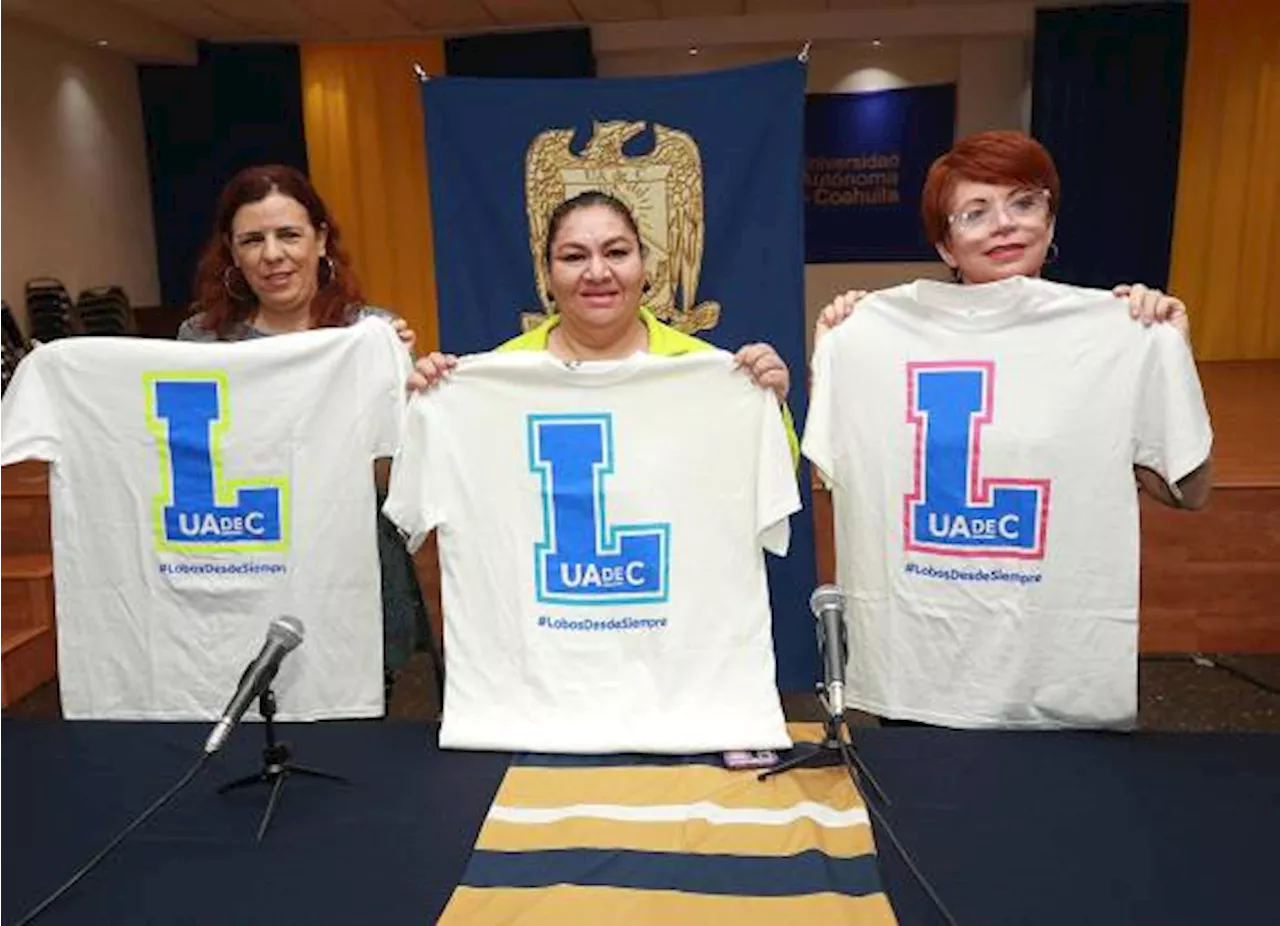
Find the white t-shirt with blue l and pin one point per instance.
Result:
(980, 443)
(198, 492)
(602, 529)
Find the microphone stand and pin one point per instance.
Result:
(276, 766)
(834, 750)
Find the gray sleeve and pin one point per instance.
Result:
(191, 329)
(373, 311)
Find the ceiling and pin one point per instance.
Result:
(166, 30)
(370, 19)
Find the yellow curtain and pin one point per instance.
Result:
(1226, 238)
(367, 157)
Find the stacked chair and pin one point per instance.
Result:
(15, 345)
(49, 310)
(104, 310)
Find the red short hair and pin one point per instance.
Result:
(336, 295)
(1005, 158)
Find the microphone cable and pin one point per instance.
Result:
(825, 599)
(120, 837)
(846, 752)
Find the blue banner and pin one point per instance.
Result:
(710, 164)
(866, 157)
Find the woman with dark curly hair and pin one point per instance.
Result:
(275, 264)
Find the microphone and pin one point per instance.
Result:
(827, 605)
(283, 636)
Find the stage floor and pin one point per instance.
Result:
(1244, 404)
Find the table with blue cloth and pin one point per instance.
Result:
(1011, 828)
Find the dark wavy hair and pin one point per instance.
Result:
(336, 294)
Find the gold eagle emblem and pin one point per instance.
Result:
(664, 192)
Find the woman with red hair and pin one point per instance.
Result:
(275, 264)
(989, 206)
(991, 430)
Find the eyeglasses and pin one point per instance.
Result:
(1024, 208)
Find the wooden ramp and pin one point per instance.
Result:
(26, 582)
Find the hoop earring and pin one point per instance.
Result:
(227, 277)
(333, 272)
(1051, 255)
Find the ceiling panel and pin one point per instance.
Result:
(532, 12)
(676, 9)
(125, 30)
(278, 19)
(443, 15)
(371, 19)
(193, 17)
(607, 11)
(880, 4)
(786, 6)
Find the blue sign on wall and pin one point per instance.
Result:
(866, 157)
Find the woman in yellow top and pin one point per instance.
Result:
(595, 264)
